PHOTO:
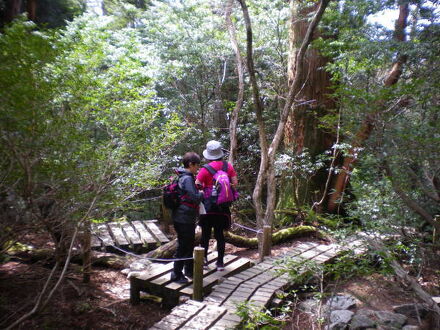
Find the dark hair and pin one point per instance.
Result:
(190, 157)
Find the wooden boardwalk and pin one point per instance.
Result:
(257, 285)
(156, 280)
(139, 235)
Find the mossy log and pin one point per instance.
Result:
(286, 211)
(48, 257)
(167, 250)
(277, 237)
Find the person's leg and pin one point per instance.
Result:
(206, 226)
(190, 230)
(180, 251)
(219, 225)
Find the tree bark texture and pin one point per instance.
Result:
(278, 237)
(31, 8)
(268, 154)
(369, 122)
(294, 89)
(302, 129)
(12, 10)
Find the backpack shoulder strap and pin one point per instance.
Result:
(210, 169)
(225, 166)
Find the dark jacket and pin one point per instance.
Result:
(189, 194)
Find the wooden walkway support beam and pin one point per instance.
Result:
(266, 244)
(199, 253)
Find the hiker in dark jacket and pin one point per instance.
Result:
(184, 217)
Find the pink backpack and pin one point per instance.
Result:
(222, 193)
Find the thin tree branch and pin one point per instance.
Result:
(407, 200)
(370, 120)
(406, 278)
(239, 62)
(258, 190)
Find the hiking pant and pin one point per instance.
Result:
(185, 246)
(219, 223)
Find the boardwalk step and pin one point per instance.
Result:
(257, 285)
(139, 235)
(157, 280)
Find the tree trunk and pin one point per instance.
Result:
(31, 8)
(12, 10)
(268, 153)
(240, 71)
(302, 127)
(259, 185)
(368, 124)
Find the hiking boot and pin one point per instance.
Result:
(182, 280)
(189, 274)
(178, 278)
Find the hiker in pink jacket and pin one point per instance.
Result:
(218, 180)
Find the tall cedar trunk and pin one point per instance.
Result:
(12, 10)
(268, 153)
(302, 128)
(369, 122)
(31, 8)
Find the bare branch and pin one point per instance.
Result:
(239, 62)
(408, 201)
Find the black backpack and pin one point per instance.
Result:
(172, 195)
(171, 198)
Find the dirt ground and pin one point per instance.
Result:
(104, 303)
(101, 304)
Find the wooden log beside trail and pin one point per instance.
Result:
(167, 250)
(277, 237)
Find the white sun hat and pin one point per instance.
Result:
(213, 150)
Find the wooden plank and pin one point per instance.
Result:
(209, 281)
(132, 236)
(158, 270)
(173, 286)
(118, 235)
(308, 255)
(258, 284)
(96, 242)
(145, 235)
(155, 231)
(180, 315)
(102, 231)
(154, 271)
(206, 318)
